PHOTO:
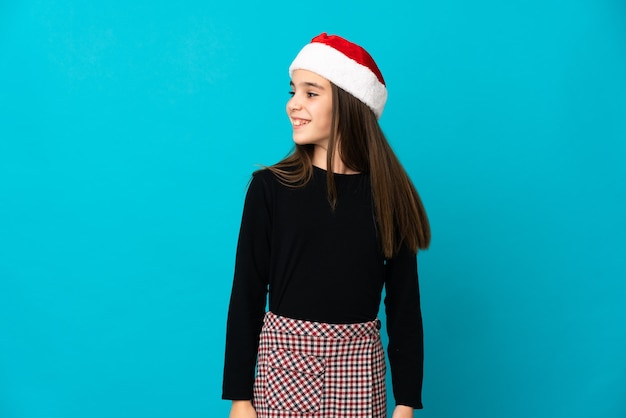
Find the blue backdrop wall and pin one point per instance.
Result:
(128, 131)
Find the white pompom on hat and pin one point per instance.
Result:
(347, 65)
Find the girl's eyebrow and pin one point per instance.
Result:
(308, 84)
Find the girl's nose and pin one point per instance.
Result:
(293, 104)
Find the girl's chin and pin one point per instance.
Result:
(304, 141)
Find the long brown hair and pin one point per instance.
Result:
(400, 214)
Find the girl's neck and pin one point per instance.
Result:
(338, 167)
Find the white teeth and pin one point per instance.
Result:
(299, 122)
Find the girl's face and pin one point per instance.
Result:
(310, 108)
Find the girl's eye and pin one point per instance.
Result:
(309, 94)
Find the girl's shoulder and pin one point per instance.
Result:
(276, 175)
(265, 178)
(264, 174)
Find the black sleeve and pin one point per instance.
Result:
(249, 293)
(404, 327)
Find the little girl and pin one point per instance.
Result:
(322, 232)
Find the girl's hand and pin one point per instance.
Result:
(402, 411)
(242, 409)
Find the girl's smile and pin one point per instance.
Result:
(297, 123)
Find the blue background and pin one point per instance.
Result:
(129, 129)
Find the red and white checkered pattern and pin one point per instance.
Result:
(312, 369)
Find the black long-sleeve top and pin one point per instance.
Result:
(319, 265)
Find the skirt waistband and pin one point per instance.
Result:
(320, 329)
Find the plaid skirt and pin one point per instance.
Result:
(320, 370)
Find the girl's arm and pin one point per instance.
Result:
(249, 292)
(404, 327)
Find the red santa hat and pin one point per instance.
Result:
(347, 65)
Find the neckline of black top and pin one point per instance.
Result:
(355, 175)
